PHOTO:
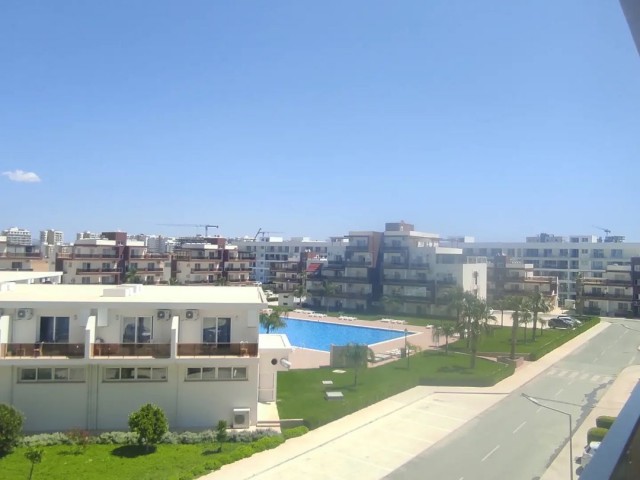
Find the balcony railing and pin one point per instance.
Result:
(20, 255)
(354, 262)
(155, 350)
(237, 269)
(150, 270)
(609, 296)
(346, 279)
(406, 281)
(97, 270)
(150, 256)
(94, 255)
(217, 349)
(45, 349)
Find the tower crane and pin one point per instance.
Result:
(606, 231)
(205, 226)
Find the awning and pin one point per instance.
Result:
(313, 267)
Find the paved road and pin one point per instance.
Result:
(516, 439)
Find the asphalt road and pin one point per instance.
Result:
(516, 439)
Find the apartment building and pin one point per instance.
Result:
(506, 277)
(401, 266)
(16, 256)
(614, 293)
(288, 276)
(17, 236)
(270, 250)
(51, 237)
(562, 257)
(96, 353)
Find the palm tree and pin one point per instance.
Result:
(131, 276)
(501, 304)
(447, 330)
(515, 304)
(221, 281)
(487, 316)
(357, 355)
(300, 290)
(543, 324)
(273, 320)
(538, 303)
(579, 306)
(525, 317)
(390, 303)
(328, 289)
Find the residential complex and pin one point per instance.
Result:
(17, 236)
(16, 256)
(96, 353)
(562, 257)
(408, 270)
(506, 277)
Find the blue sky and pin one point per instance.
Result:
(493, 119)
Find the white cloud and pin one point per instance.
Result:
(22, 176)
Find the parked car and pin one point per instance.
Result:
(560, 323)
(574, 322)
(589, 451)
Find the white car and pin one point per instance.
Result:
(589, 451)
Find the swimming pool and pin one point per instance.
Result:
(321, 335)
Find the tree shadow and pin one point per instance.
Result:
(67, 453)
(212, 451)
(133, 451)
(455, 369)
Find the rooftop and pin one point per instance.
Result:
(160, 296)
(25, 276)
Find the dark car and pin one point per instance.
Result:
(560, 323)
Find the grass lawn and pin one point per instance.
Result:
(500, 340)
(301, 393)
(117, 462)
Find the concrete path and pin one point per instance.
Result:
(373, 442)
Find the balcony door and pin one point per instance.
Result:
(54, 330)
(216, 330)
(137, 330)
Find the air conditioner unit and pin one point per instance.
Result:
(163, 314)
(191, 314)
(241, 417)
(24, 313)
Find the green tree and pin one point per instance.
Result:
(328, 289)
(221, 434)
(150, 423)
(501, 304)
(515, 304)
(390, 303)
(446, 330)
(538, 303)
(34, 455)
(357, 355)
(273, 320)
(579, 294)
(526, 316)
(301, 289)
(131, 276)
(480, 315)
(221, 281)
(543, 324)
(11, 421)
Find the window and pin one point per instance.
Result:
(204, 374)
(616, 253)
(137, 330)
(86, 280)
(54, 330)
(51, 374)
(135, 374)
(564, 252)
(216, 330)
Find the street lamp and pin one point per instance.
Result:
(406, 350)
(533, 400)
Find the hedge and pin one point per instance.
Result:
(294, 432)
(596, 434)
(604, 421)
(589, 322)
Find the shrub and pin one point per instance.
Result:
(596, 434)
(241, 452)
(45, 440)
(149, 423)
(294, 432)
(246, 436)
(79, 438)
(605, 421)
(221, 432)
(267, 443)
(117, 438)
(34, 455)
(11, 421)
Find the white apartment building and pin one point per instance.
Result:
(17, 236)
(562, 257)
(196, 263)
(611, 294)
(51, 237)
(86, 235)
(93, 354)
(269, 250)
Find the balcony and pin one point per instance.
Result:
(150, 256)
(394, 249)
(345, 279)
(606, 282)
(286, 268)
(396, 265)
(84, 271)
(95, 255)
(150, 270)
(44, 349)
(406, 281)
(419, 265)
(20, 255)
(206, 270)
(238, 269)
(609, 296)
(357, 248)
(353, 294)
(242, 258)
(154, 350)
(217, 349)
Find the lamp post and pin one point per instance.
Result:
(533, 400)
(406, 350)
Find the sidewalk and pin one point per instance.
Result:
(373, 442)
(610, 404)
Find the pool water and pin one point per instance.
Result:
(321, 335)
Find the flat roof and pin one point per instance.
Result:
(23, 276)
(158, 295)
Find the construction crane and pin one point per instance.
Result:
(264, 234)
(606, 231)
(197, 225)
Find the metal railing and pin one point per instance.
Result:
(155, 350)
(44, 349)
(217, 349)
